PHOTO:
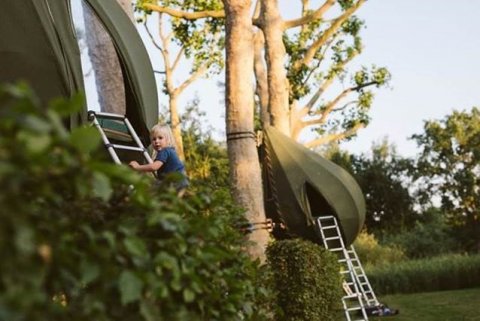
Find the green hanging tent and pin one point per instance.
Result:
(301, 185)
(38, 45)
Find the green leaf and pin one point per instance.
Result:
(135, 246)
(85, 139)
(101, 186)
(130, 287)
(188, 295)
(89, 272)
(149, 311)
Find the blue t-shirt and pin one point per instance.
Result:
(171, 163)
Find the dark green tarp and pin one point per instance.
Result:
(38, 45)
(302, 185)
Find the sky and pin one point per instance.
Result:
(432, 49)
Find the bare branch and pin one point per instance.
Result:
(317, 14)
(178, 57)
(197, 74)
(155, 43)
(335, 136)
(184, 14)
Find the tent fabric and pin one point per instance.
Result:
(38, 45)
(302, 185)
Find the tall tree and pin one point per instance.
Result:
(200, 42)
(242, 150)
(316, 58)
(306, 51)
(448, 169)
(245, 174)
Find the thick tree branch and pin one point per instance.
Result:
(184, 14)
(197, 74)
(178, 57)
(335, 136)
(318, 14)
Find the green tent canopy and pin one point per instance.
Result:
(38, 45)
(301, 185)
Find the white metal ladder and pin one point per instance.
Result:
(352, 301)
(362, 279)
(98, 118)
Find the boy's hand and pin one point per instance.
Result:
(133, 164)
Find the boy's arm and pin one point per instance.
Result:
(152, 167)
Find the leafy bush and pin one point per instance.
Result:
(306, 280)
(428, 238)
(371, 253)
(78, 243)
(448, 272)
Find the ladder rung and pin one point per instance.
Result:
(108, 115)
(336, 249)
(328, 227)
(138, 149)
(354, 308)
(320, 218)
(331, 238)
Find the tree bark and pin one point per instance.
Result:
(105, 63)
(272, 26)
(175, 124)
(261, 78)
(245, 171)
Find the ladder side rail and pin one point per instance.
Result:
(137, 140)
(105, 140)
(351, 273)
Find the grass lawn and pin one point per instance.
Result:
(459, 305)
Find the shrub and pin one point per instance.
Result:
(78, 243)
(447, 272)
(306, 280)
(371, 253)
(426, 239)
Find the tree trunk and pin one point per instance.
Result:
(105, 63)
(175, 124)
(261, 78)
(245, 172)
(272, 26)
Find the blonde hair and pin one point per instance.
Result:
(166, 132)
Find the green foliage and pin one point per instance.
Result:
(448, 272)
(306, 279)
(373, 254)
(429, 237)
(383, 178)
(207, 159)
(448, 169)
(79, 243)
(343, 110)
(200, 39)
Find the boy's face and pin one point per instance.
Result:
(159, 141)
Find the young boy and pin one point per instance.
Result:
(166, 159)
